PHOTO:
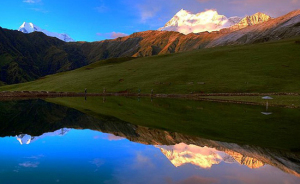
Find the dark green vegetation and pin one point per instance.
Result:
(36, 117)
(26, 57)
(268, 67)
(242, 124)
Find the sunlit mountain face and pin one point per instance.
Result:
(205, 157)
(210, 20)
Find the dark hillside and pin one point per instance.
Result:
(26, 57)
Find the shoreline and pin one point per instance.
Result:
(74, 94)
(23, 95)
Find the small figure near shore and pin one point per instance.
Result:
(104, 90)
(85, 91)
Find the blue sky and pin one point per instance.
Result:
(93, 20)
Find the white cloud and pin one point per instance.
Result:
(97, 162)
(39, 10)
(102, 8)
(148, 10)
(112, 35)
(32, 1)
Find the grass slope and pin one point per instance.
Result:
(268, 67)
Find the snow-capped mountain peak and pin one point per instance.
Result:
(182, 12)
(30, 27)
(209, 20)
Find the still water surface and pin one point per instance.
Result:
(47, 143)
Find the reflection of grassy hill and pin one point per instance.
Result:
(36, 117)
(270, 67)
(224, 122)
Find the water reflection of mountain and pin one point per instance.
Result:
(205, 157)
(27, 139)
(38, 117)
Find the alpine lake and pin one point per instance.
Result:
(143, 140)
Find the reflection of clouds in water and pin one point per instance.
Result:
(261, 176)
(36, 157)
(142, 161)
(29, 164)
(97, 162)
(96, 137)
(110, 137)
(192, 180)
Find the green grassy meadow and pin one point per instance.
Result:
(267, 67)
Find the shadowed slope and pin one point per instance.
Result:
(251, 68)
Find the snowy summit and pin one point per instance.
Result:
(186, 22)
(30, 27)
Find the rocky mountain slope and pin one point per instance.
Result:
(26, 57)
(186, 22)
(275, 29)
(257, 18)
(148, 43)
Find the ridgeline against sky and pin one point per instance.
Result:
(103, 19)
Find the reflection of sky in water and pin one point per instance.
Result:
(84, 156)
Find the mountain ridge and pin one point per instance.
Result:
(26, 57)
(210, 20)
